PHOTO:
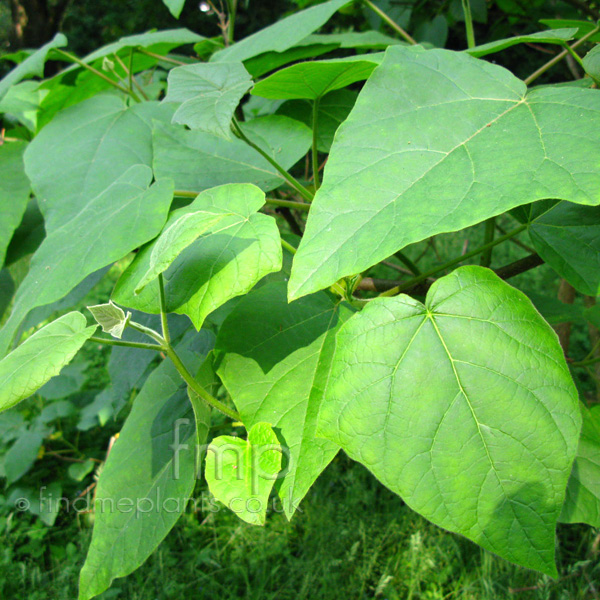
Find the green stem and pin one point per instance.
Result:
(173, 61)
(288, 246)
(125, 343)
(560, 56)
(412, 282)
(149, 332)
(129, 74)
(73, 58)
(389, 21)
(189, 379)
(407, 263)
(163, 309)
(585, 363)
(466, 4)
(490, 227)
(232, 15)
(307, 195)
(315, 152)
(274, 201)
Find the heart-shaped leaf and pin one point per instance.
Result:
(464, 406)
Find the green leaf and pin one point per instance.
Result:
(555, 36)
(33, 65)
(111, 318)
(208, 95)
(275, 364)
(14, 191)
(582, 503)
(79, 471)
(555, 311)
(591, 63)
(583, 27)
(281, 35)
(7, 289)
(199, 161)
(175, 7)
(224, 263)
(241, 473)
(41, 357)
(97, 235)
(464, 406)
(334, 109)
(43, 502)
(22, 102)
(70, 380)
(417, 146)
(147, 480)
(174, 239)
(567, 237)
(22, 455)
(313, 79)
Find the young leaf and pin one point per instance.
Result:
(199, 161)
(413, 159)
(208, 95)
(41, 357)
(174, 239)
(121, 218)
(464, 406)
(111, 318)
(567, 237)
(33, 65)
(147, 480)
(275, 363)
(241, 473)
(225, 262)
(281, 35)
(313, 79)
(14, 191)
(582, 503)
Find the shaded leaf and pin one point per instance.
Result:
(175, 7)
(79, 471)
(21, 455)
(591, 63)
(555, 36)
(429, 117)
(438, 402)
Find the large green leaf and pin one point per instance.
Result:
(147, 480)
(567, 237)
(198, 161)
(275, 363)
(281, 35)
(582, 503)
(313, 79)
(33, 65)
(241, 473)
(14, 191)
(556, 36)
(208, 95)
(106, 228)
(465, 407)
(436, 142)
(224, 263)
(41, 357)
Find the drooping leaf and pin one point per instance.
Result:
(464, 406)
(567, 237)
(208, 94)
(334, 109)
(314, 79)
(175, 7)
(121, 218)
(276, 360)
(225, 262)
(241, 473)
(175, 238)
(41, 357)
(591, 63)
(554, 36)
(413, 159)
(33, 65)
(198, 161)
(111, 318)
(147, 480)
(582, 503)
(281, 35)
(14, 192)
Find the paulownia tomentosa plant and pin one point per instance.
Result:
(448, 385)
